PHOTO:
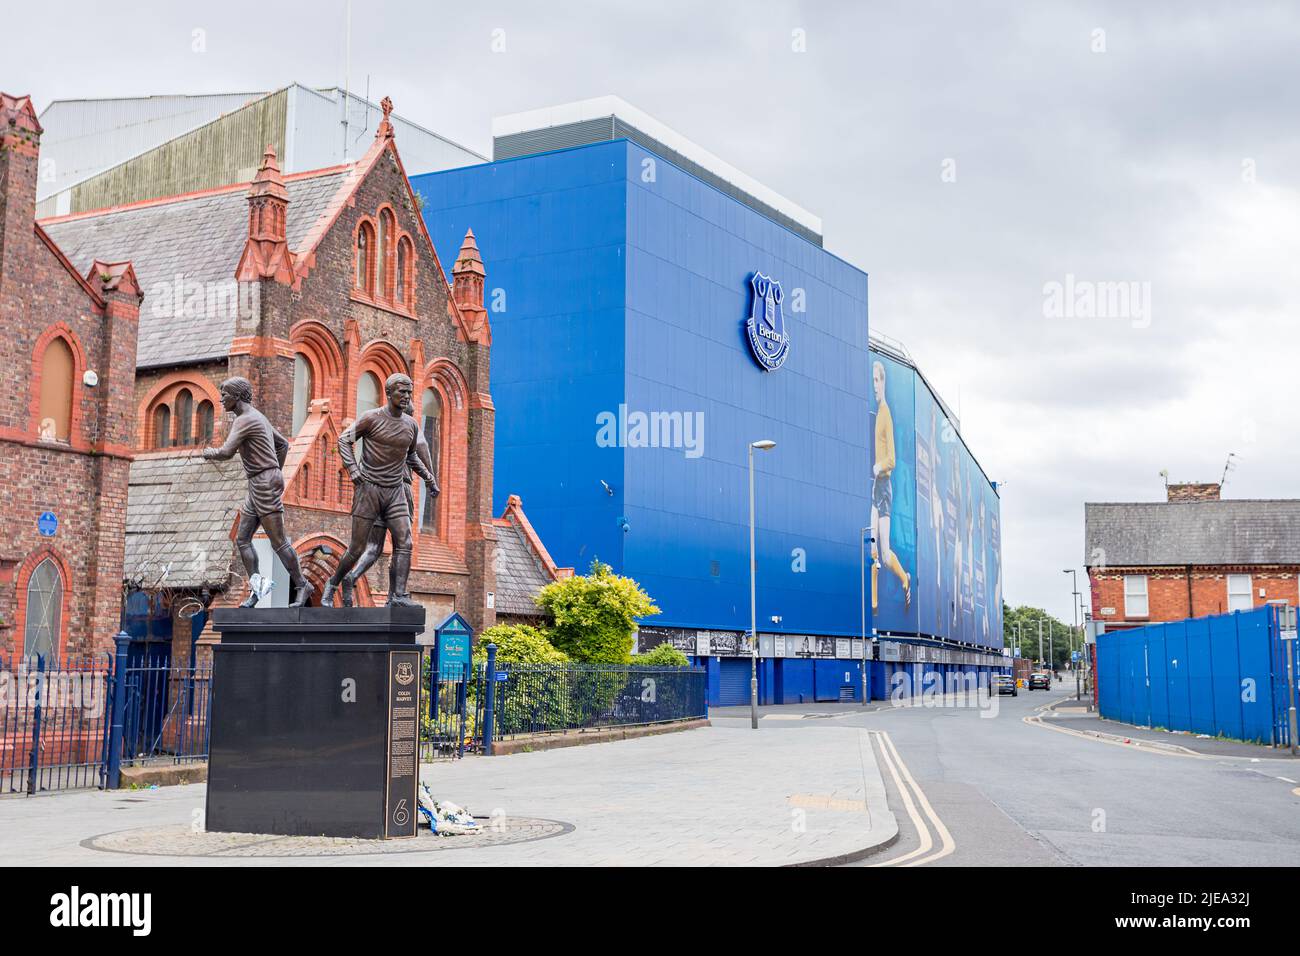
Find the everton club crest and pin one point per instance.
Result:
(768, 338)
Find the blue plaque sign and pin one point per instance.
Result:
(47, 524)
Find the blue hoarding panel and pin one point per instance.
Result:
(1200, 677)
(1255, 653)
(1226, 668)
(1214, 675)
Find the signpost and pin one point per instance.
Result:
(452, 640)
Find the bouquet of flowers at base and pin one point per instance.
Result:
(443, 817)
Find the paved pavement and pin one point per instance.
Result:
(1074, 715)
(715, 796)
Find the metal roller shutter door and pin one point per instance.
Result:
(733, 681)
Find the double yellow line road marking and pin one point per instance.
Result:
(929, 827)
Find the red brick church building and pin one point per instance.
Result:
(67, 420)
(315, 287)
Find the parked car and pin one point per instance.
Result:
(1041, 680)
(1006, 684)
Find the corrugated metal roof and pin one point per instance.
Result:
(85, 137)
(1168, 534)
(134, 149)
(182, 246)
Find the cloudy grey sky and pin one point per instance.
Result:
(966, 155)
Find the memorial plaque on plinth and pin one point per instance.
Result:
(315, 722)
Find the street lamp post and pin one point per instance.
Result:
(862, 542)
(765, 444)
(1078, 691)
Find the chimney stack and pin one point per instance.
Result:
(20, 143)
(1193, 491)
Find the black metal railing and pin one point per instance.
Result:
(539, 699)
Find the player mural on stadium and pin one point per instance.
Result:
(882, 495)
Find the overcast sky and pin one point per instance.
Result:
(965, 155)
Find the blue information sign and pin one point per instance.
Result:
(47, 524)
(453, 638)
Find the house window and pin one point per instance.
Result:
(184, 417)
(162, 427)
(1239, 596)
(205, 422)
(302, 387)
(44, 611)
(55, 415)
(431, 425)
(1135, 595)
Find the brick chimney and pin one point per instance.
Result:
(266, 252)
(1193, 491)
(468, 276)
(20, 143)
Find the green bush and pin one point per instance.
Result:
(517, 644)
(530, 701)
(664, 655)
(595, 614)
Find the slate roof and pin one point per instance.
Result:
(1161, 534)
(520, 574)
(179, 512)
(199, 237)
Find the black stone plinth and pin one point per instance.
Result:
(314, 721)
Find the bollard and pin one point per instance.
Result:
(489, 698)
(114, 778)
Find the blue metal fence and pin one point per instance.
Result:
(53, 722)
(1224, 675)
(75, 723)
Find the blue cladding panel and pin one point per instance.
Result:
(691, 252)
(796, 681)
(551, 229)
(612, 293)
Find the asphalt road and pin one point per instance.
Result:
(973, 787)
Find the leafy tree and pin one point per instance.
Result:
(663, 655)
(1057, 635)
(595, 614)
